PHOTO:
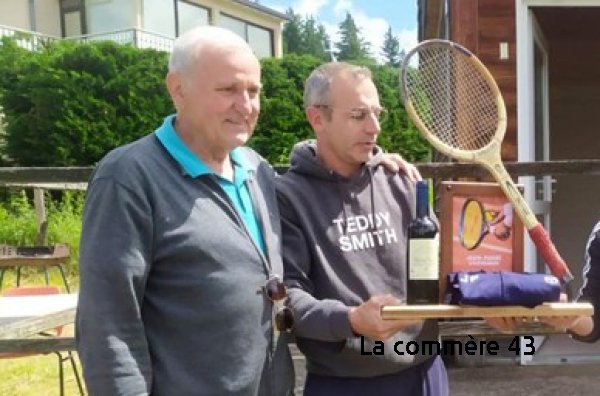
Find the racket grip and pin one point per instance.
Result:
(548, 251)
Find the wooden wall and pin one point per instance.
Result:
(481, 25)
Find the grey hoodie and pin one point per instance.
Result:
(344, 241)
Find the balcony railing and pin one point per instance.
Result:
(32, 41)
(139, 38)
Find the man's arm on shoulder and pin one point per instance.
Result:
(114, 263)
(396, 163)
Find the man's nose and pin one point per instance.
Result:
(244, 103)
(372, 124)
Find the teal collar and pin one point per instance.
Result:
(191, 164)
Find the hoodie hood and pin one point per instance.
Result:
(304, 161)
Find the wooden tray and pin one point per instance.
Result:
(391, 312)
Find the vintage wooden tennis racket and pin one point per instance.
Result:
(457, 106)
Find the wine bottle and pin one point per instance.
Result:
(422, 284)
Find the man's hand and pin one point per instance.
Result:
(395, 163)
(582, 325)
(510, 323)
(562, 323)
(366, 319)
(505, 324)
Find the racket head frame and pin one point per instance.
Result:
(491, 151)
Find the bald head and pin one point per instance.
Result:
(190, 47)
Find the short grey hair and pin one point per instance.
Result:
(318, 84)
(187, 48)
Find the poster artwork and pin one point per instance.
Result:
(482, 237)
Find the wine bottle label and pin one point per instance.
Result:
(424, 262)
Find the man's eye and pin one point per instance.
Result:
(358, 115)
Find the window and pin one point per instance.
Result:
(72, 24)
(189, 16)
(109, 15)
(159, 17)
(236, 25)
(72, 18)
(259, 38)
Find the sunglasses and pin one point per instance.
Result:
(277, 292)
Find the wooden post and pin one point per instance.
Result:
(40, 212)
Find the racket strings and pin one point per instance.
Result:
(452, 98)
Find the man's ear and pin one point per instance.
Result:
(175, 87)
(315, 117)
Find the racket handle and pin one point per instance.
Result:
(548, 251)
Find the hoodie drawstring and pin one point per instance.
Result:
(341, 190)
(371, 184)
(336, 181)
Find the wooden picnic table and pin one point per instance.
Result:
(23, 317)
(34, 256)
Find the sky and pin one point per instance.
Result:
(373, 17)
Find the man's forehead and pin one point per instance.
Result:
(228, 56)
(234, 67)
(349, 81)
(241, 79)
(363, 89)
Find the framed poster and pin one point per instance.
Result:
(478, 230)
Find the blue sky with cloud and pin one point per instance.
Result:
(372, 17)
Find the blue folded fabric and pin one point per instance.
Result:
(502, 288)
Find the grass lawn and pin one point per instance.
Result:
(37, 375)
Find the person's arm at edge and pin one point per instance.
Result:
(584, 328)
(587, 329)
(114, 263)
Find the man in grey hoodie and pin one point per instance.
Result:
(344, 223)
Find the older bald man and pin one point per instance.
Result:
(180, 247)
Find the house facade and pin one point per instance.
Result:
(544, 56)
(144, 23)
